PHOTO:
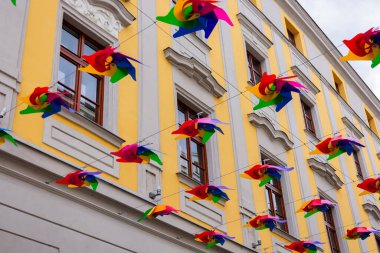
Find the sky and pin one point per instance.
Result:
(343, 19)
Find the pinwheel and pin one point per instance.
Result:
(203, 127)
(370, 185)
(364, 47)
(136, 154)
(14, 2)
(5, 135)
(335, 146)
(360, 232)
(45, 101)
(81, 178)
(156, 211)
(195, 15)
(212, 238)
(263, 222)
(107, 62)
(209, 192)
(265, 173)
(274, 91)
(316, 205)
(304, 246)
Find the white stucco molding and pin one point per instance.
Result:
(326, 171)
(373, 209)
(352, 128)
(110, 15)
(305, 80)
(248, 25)
(279, 135)
(194, 69)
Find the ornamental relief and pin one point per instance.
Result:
(100, 16)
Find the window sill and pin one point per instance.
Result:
(284, 235)
(188, 181)
(93, 127)
(311, 135)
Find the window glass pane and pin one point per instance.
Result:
(88, 109)
(184, 166)
(196, 173)
(69, 95)
(69, 39)
(89, 48)
(278, 204)
(267, 192)
(196, 153)
(183, 148)
(181, 116)
(67, 73)
(89, 86)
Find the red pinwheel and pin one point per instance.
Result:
(45, 101)
(335, 146)
(136, 154)
(304, 246)
(263, 222)
(203, 127)
(274, 91)
(265, 173)
(370, 185)
(158, 210)
(210, 192)
(360, 232)
(315, 205)
(80, 178)
(211, 238)
(107, 62)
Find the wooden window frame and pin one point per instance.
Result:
(358, 166)
(78, 61)
(308, 116)
(252, 63)
(331, 230)
(198, 141)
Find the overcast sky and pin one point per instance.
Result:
(343, 19)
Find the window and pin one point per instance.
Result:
(275, 200)
(331, 231)
(355, 155)
(193, 157)
(291, 37)
(294, 36)
(378, 242)
(339, 87)
(84, 90)
(254, 66)
(371, 122)
(308, 117)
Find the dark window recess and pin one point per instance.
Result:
(275, 200)
(355, 155)
(193, 156)
(84, 91)
(254, 66)
(331, 231)
(308, 117)
(292, 38)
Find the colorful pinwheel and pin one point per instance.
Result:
(360, 232)
(316, 205)
(4, 135)
(107, 62)
(304, 246)
(335, 146)
(263, 222)
(195, 15)
(210, 192)
(45, 101)
(274, 91)
(136, 154)
(203, 127)
(265, 173)
(158, 210)
(81, 178)
(14, 2)
(364, 47)
(212, 238)
(370, 185)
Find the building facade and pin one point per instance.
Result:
(42, 44)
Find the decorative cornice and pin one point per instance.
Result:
(327, 171)
(354, 130)
(371, 208)
(305, 80)
(194, 69)
(244, 21)
(261, 121)
(110, 15)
